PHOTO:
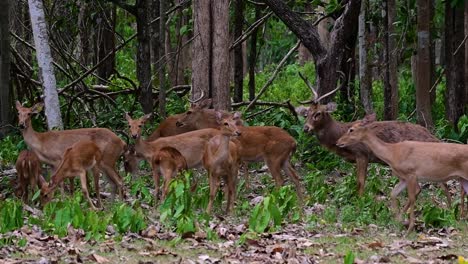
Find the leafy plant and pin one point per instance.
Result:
(11, 215)
(127, 218)
(349, 258)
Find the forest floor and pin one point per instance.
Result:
(298, 242)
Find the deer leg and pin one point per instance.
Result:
(214, 185)
(84, 189)
(115, 180)
(395, 192)
(230, 190)
(168, 174)
(156, 177)
(291, 172)
(96, 186)
(361, 167)
(245, 164)
(413, 190)
(275, 169)
(447, 193)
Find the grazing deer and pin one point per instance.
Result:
(77, 160)
(271, 144)
(221, 160)
(28, 168)
(328, 131)
(171, 162)
(191, 145)
(51, 145)
(412, 161)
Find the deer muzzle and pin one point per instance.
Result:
(179, 124)
(308, 128)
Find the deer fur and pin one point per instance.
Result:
(328, 131)
(51, 145)
(77, 160)
(171, 162)
(412, 161)
(221, 160)
(28, 168)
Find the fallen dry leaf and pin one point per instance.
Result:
(98, 259)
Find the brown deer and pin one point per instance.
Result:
(271, 144)
(171, 162)
(221, 160)
(81, 157)
(328, 131)
(191, 145)
(412, 161)
(51, 145)
(28, 168)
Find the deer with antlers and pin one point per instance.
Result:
(51, 145)
(412, 161)
(81, 157)
(221, 160)
(28, 168)
(328, 131)
(270, 144)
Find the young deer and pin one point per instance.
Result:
(191, 145)
(77, 160)
(221, 160)
(271, 144)
(28, 168)
(171, 162)
(51, 145)
(412, 161)
(328, 131)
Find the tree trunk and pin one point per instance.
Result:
(44, 59)
(364, 73)
(455, 91)
(238, 56)
(423, 84)
(390, 55)
(201, 48)
(84, 47)
(144, 56)
(466, 56)
(253, 57)
(5, 96)
(105, 40)
(162, 55)
(220, 59)
(155, 45)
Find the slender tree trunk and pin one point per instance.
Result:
(253, 57)
(455, 91)
(144, 56)
(364, 73)
(423, 84)
(238, 56)
(390, 79)
(162, 55)
(44, 59)
(466, 57)
(105, 40)
(84, 47)
(5, 96)
(201, 48)
(155, 45)
(220, 59)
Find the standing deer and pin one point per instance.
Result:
(51, 145)
(171, 162)
(77, 160)
(271, 144)
(221, 160)
(412, 161)
(191, 145)
(328, 131)
(28, 168)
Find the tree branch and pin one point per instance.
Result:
(122, 4)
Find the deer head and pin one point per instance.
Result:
(357, 132)
(25, 113)
(229, 124)
(195, 114)
(135, 125)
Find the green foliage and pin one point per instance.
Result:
(349, 258)
(437, 217)
(10, 146)
(11, 215)
(128, 218)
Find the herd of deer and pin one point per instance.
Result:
(220, 143)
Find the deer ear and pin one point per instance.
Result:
(18, 105)
(369, 119)
(331, 107)
(146, 117)
(37, 108)
(206, 103)
(301, 110)
(127, 116)
(219, 116)
(237, 115)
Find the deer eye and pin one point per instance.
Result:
(226, 124)
(29, 114)
(351, 130)
(317, 115)
(189, 112)
(140, 125)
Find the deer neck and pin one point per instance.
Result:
(142, 147)
(331, 131)
(31, 137)
(380, 148)
(222, 153)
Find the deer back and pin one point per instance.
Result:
(171, 156)
(168, 128)
(28, 168)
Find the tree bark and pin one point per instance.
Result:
(466, 57)
(390, 55)
(144, 56)
(238, 54)
(44, 59)
(220, 59)
(162, 56)
(423, 84)
(5, 95)
(455, 88)
(365, 78)
(253, 57)
(105, 40)
(201, 48)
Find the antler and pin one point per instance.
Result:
(314, 92)
(317, 99)
(197, 100)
